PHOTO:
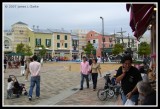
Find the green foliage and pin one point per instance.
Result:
(43, 51)
(144, 49)
(89, 49)
(24, 49)
(118, 48)
(20, 48)
(28, 51)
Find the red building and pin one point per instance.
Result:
(96, 39)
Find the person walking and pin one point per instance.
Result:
(22, 62)
(129, 76)
(34, 68)
(84, 69)
(95, 67)
(28, 60)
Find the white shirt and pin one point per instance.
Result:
(99, 60)
(34, 68)
(10, 85)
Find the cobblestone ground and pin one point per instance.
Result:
(55, 77)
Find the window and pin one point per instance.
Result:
(48, 42)
(82, 47)
(65, 37)
(65, 45)
(110, 39)
(58, 45)
(103, 39)
(111, 45)
(38, 42)
(21, 31)
(58, 37)
(94, 41)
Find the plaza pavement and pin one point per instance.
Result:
(60, 83)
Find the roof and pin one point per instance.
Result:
(58, 31)
(20, 23)
(42, 31)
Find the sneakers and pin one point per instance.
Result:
(81, 89)
(30, 98)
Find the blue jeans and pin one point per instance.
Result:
(134, 98)
(35, 80)
(82, 80)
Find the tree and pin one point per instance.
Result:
(20, 48)
(89, 49)
(144, 49)
(43, 51)
(118, 48)
(28, 51)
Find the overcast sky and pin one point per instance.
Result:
(69, 16)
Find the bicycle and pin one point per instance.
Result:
(109, 89)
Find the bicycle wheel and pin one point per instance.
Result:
(110, 93)
(102, 95)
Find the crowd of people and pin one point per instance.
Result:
(132, 83)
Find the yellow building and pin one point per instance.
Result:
(42, 37)
(61, 44)
(19, 34)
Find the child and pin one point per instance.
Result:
(9, 88)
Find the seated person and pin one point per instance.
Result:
(147, 93)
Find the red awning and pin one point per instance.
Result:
(142, 25)
(140, 17)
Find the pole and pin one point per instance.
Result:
(103, 36)
(122, 35)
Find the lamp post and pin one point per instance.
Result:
(103, 35)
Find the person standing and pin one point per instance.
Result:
(34, 68)
(90, 73)
(99, 59)
(95, 67)
(84, 69)
(129, 76)
(5, 64)
(22, 66)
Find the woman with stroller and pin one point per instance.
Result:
(95, 67)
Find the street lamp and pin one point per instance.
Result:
(103, 35)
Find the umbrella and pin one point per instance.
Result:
(12, 54)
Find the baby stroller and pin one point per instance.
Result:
(18, 87)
